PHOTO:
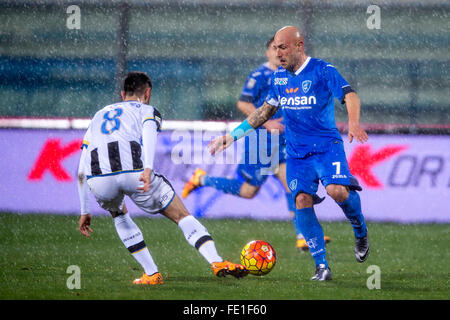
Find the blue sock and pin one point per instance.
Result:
(292, 208)
(311, 229)
(232, 186)
(352, 210)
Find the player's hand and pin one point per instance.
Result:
(145, 178)
(84, 223)
(220, 143)
(274, 126)
(355, 131)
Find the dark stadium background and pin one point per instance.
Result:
(199, 53)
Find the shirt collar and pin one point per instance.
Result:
(303, 66)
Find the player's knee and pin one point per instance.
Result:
(303, 200)
(176, 210)
(177, 214)
(337, 192)
(248, 191)
(248, 194)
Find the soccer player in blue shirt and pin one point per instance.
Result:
(305, 89)
(250, 172)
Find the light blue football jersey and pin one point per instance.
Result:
(306, 98)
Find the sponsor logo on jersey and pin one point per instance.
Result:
(298, 101)
(291, 90)
(280, 81)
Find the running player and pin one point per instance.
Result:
(251, 176)
(305, 88)
(117, 160)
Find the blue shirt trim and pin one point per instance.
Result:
(115, 173)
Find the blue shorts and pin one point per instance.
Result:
(254, 170)
(328, 167)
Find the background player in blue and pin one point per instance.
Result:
(305, 88)
(249, 177)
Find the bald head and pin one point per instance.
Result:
(291, 33)
(289, 43)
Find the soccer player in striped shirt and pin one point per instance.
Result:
(117, 160)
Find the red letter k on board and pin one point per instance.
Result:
(52, 154)
(363, 159)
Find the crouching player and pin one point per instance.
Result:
(114, 164)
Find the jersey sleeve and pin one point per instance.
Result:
(83, 189)
(338, 86)
(86, 138)
(152, 114)
(251, 88)
(149, 138)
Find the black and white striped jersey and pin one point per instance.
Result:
(113, 140)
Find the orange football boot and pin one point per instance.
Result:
(222, 269)
(155, 278)
(193, 183)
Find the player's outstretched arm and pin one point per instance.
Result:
(261, 115)
(354, 108)
(253, 121)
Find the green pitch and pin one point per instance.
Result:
(36, 251)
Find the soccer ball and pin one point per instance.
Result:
(259, 257)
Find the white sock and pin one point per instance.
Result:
(132, 238)
(198, 237)
(209, 252)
